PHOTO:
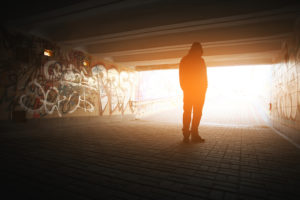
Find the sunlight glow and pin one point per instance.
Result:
(235, 95)
(250, 81)
(231, 91)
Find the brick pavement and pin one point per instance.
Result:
(141, 159)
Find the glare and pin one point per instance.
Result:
(237, 95)
(158, 84)
(234, 81)
(231, 91)
(239, 81)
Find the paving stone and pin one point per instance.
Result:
(230, 196)
(216, 195)
(146, 160)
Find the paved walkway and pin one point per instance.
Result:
(145, 159)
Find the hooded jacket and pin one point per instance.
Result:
(193, 73)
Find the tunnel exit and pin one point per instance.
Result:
(235, 95)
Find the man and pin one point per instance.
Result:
(193, 82)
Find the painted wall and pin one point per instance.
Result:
(285, 111)
(58, 86)
(117, 90)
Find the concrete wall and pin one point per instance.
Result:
(60, 85)
(285, 111)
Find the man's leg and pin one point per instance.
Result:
(197, 115)
(186, 118)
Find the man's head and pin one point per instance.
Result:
(196, 48)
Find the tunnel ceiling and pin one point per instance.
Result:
(154, 34)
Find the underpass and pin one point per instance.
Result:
(91, 107)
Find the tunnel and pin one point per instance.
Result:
(92, 105)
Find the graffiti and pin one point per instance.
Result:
(285, 92)
(116, 89)
(63, 89)
(59, 88)
(58, 85)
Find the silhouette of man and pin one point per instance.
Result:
(193, 82)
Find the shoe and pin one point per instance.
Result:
(186, 133)
(196, 138)
(186, 140)
(186, 136)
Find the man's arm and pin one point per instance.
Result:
(205, 72)
(181, 75)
